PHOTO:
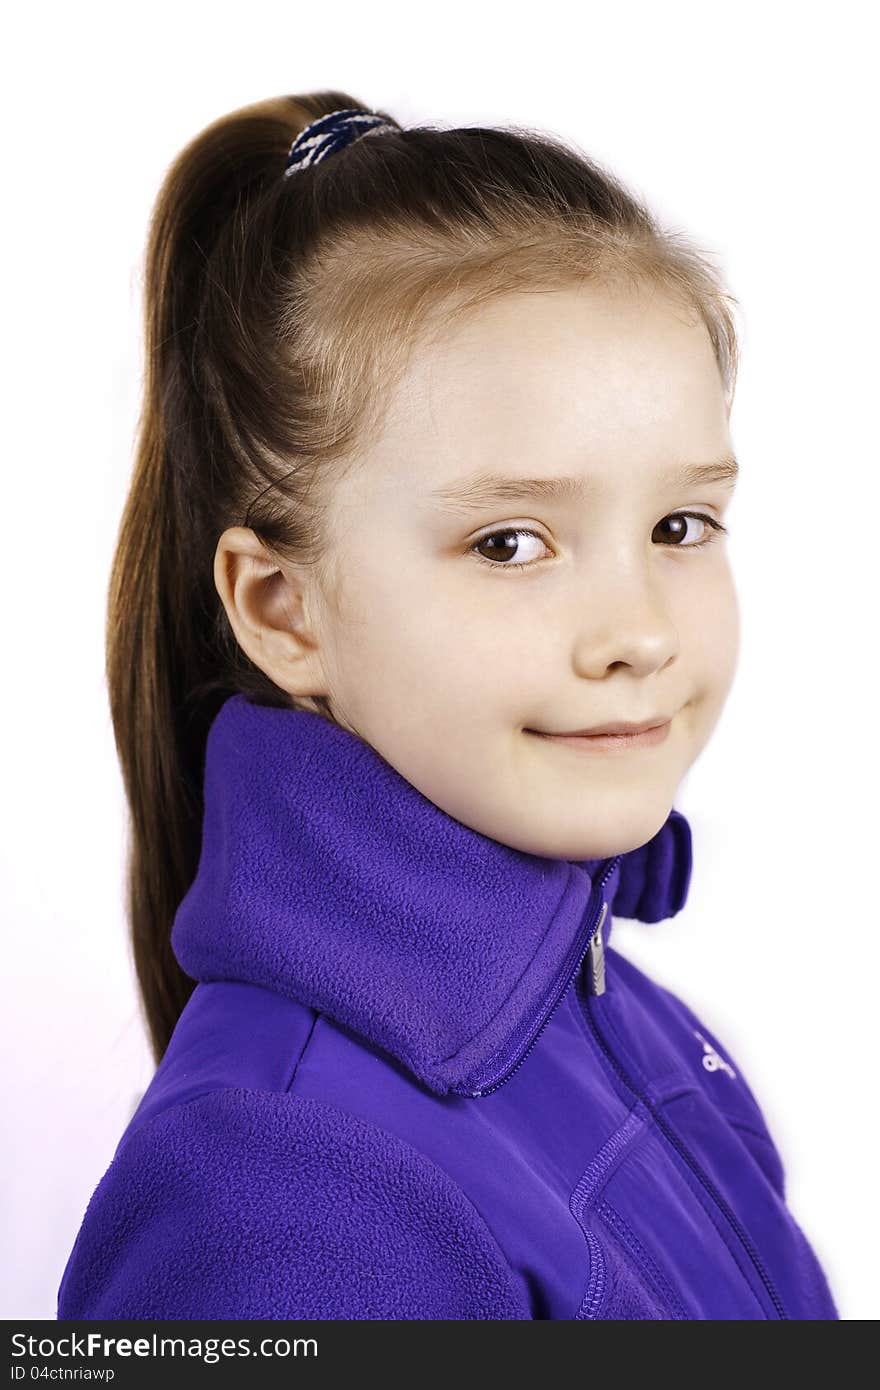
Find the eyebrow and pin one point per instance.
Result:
(484, 488)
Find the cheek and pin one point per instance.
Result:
(711, 644)
(721, 627)
(397, 631)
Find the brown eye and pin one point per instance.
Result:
(498, 547)
(677, 524)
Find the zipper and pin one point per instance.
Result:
(678, 1144)
(526, 1036)
(596, 964)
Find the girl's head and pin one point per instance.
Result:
(360, 382)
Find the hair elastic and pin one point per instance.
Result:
(331, 133)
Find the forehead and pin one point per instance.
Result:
(584, 379)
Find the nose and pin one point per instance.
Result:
(625, 624)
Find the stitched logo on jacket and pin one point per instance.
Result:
(712, 1061)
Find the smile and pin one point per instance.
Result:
(596, 743)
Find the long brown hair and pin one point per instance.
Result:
(278, 312)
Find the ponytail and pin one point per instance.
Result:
(170, 662)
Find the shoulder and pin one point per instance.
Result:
(242, 1203)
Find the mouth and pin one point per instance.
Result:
(611, 737)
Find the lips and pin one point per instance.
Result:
(646, 736)
(615, 727)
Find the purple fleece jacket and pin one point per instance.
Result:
(414, 1080)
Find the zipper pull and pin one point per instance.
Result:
(596, 958)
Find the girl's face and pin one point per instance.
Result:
(443, 655)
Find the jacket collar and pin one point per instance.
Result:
(324, 875)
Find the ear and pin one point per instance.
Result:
(270, 611)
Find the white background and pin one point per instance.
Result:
(746, 126)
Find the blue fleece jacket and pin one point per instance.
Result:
(415, 1080)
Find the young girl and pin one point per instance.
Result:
(428, 415)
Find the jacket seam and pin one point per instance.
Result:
(586, 1194)
(133, 1129)
(631, 1244)
(302, 1052)
(747, 1129)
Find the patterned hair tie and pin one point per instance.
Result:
(331, 133)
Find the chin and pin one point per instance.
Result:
(609, 840)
